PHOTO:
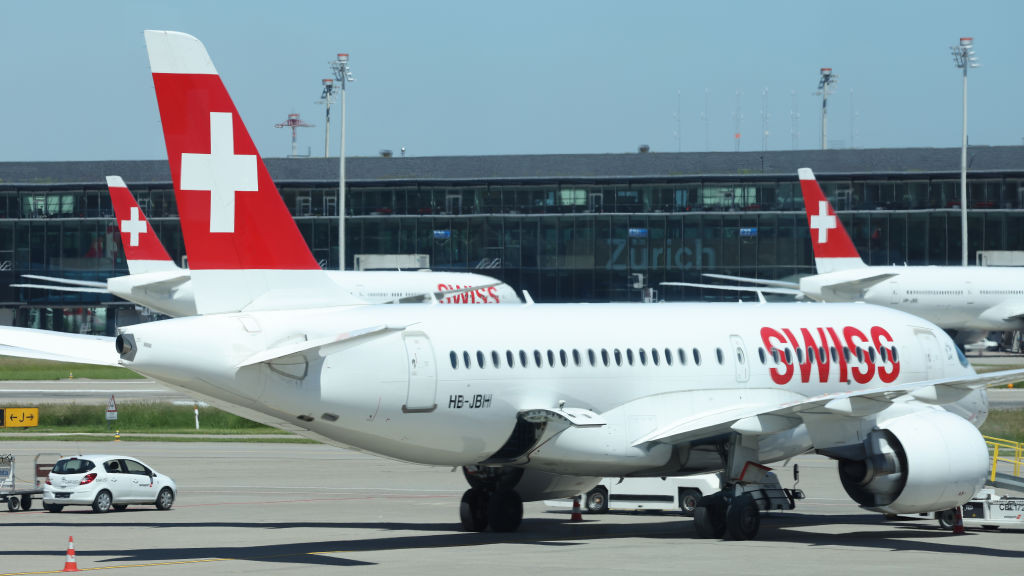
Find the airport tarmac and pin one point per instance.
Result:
(315, 509)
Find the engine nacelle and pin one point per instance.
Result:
(920, 462)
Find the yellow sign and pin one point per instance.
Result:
(19, 417)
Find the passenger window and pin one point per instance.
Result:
(895, 356)
(720, 356)
(654, 357)
(775, 355)
(739, 356)
(789, 356)
(696, 357)
(480, 358)
(563, 357)
(629, 356)
(538, 359)
(871, 354)
(799, 355)
(668, 357)
(551, 358)
(682, 357)
(466, 361)
(835, 355)
(761, 355)
(860, 354)
(821, 354)
(523, 359)
(592, 357)
(510, 358)
(576, 357)
(618, 357)
(604, 356)
(846, 353)
(883, 352)
(455, 359)
(113, 467)
(495, 359)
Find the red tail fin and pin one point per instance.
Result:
(232, 216)
(833, 249)
(142, 249)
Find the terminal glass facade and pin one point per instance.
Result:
(562, 240)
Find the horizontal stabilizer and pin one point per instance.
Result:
(311, 345)
(59, 346)
(58, 280)
(62, 288)
(759, 289)
(776, 283)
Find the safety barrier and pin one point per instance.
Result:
(1005, 451)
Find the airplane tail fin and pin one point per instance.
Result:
(142, 249)
(244, 249)
(833, 248)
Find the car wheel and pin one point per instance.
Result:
(688, 499)
(165, 499)
(597, 500)
(102, 502)
(120, 507)
(53, 507)
(13, 503)
(26, 501)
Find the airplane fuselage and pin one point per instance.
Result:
(445, 385)
(952, 297)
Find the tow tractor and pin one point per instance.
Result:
(21, 498)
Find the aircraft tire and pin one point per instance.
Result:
(505, 511)
(597, 500)
(709, 517)
(473, 510)
(743, 518)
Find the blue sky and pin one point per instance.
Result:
(550, 77)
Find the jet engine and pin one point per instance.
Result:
(920, 462)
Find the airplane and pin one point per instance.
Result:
(969, 300)
(156, 282)
(537, 401)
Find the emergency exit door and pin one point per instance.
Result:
(421, 396)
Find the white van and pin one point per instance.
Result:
(666, 494)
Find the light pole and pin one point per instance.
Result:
(326, 97)
(963, 57)
(343, 75)
(825, 86)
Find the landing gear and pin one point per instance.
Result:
(490, 502)
(743, 517)
(709, 516)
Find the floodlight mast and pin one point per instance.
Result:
(326, 98)
(963, 57)
(826, 84)
(343, 75)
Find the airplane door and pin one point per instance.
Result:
(895, 286)
(931, 353)
(739, 353)
(422, 374)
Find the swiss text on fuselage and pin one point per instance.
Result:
(861, 368)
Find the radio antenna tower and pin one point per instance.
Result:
(764, 120)
(294, 122)
(826, 84)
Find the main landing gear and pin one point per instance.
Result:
(491, 501)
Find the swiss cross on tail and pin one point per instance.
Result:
(828, 236)
(232, 216)
(137, 237)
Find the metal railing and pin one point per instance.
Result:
(1006, 451)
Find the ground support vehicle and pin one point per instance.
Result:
(21, 498)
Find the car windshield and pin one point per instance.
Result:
(73, 466)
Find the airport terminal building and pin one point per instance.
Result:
(564, 227)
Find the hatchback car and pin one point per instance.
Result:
(105, 482)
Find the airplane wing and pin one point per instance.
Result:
(770, 418)
(759, 289)
(59, 346)
(776, 283)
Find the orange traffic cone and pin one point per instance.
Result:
(577, 515)
(70, 564)
(958, 520)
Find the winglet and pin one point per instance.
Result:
(833, 248)
(142, 249)
(242, 242)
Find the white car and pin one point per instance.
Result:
(105, 482)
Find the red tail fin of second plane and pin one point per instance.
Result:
(833, 248)
(142, 249)
(243, 245)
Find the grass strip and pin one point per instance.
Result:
(12, 368)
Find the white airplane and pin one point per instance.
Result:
(971, 300)
(536, 401)
(155, 281)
